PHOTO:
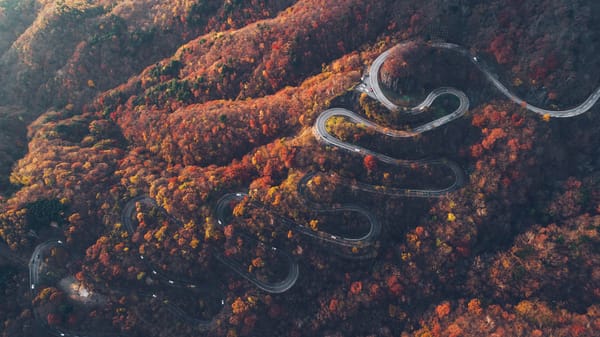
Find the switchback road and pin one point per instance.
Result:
(371, 85)
(272, 287)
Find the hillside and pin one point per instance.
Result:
(491, 226)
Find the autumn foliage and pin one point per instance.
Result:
(185, 101)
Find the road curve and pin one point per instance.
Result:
(364, 241)
(35, 264)
(320, 131)
(126, 217)
(271, 287)
(371, 85)
(578, 110)
(168, 280)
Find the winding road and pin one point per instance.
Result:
(371, 85)
(320, 130)
(36, 263)
(271, 287)
(366, 240)
(126, 220)
(278, 287)
(578, 110)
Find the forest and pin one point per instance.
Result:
(162, 171)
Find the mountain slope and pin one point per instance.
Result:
(185, 101)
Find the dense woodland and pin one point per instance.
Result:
(185, 101)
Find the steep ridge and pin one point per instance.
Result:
(85, 48)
